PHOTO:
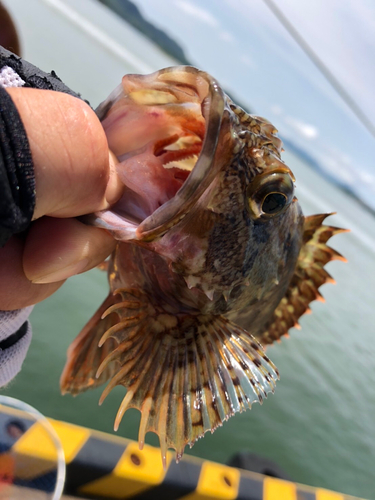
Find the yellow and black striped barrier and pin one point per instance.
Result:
(100, 465)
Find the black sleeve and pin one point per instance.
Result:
(17, 183)
(33, 76)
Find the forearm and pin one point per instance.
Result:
(17, 193)
(17, 200)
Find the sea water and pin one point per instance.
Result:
(320, 423)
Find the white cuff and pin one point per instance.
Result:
(11, 358)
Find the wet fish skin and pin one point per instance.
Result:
(207, 262)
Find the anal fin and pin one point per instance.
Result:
(185, 373)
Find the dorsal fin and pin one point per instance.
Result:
(308, 277)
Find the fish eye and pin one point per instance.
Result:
(273, 203)
(270, 194)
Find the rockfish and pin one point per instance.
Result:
(214, 256)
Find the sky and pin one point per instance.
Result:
(249, 51)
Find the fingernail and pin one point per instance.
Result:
(62, 274)
(115, 186)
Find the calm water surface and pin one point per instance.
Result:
(319, 425)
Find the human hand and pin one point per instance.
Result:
(75, 175)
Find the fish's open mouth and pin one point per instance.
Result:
(163, 128)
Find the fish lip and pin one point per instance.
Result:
(171, 212)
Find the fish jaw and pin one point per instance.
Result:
(173, 131)
(174, 117)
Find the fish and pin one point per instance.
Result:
(214, 258)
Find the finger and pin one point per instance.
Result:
(74, 171)
(16, 291)
(56, 249)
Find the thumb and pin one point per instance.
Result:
(74, 170)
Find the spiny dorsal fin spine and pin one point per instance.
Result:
(309, 275)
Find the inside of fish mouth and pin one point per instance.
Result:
(155, 170)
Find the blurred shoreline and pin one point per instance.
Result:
(130, 13)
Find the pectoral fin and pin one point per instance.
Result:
(308, 277)
(186, 374)
(84, 355)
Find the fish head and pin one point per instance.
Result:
(205, 186)
(163, 128)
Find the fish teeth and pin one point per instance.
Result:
(208, 292)
(192, 281)
(187, 163)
